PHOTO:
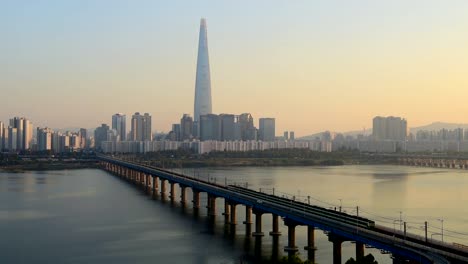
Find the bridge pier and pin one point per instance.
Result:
(148, 183)
(258, 224)
(155, 186)
(359, 250)
(275, 222)
(248, 220)
(196, 199)
(182, 194)
(291, 247)
(172, 191)
(163, 187)
(337, 241)
(233, 214)
(227, 210)
(310, 239)
(211, 205)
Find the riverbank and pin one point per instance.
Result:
(46, 166)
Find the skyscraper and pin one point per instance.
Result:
(1, 135)
(210, 127)
(267, 129)
(119, 123)
(389, 128)
(186, 127)
(203, 80)
(141, 127)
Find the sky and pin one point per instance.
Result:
(313, 65)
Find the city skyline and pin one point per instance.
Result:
(348, 62)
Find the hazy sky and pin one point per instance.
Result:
(313, 65)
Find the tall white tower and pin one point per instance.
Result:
(203, 80)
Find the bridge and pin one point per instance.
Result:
(339, 226)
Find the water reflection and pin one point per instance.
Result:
(389, 189)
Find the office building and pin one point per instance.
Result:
(202, 104)
(228, 127)
(100, 135)
(266, 129)
(247, 128)
(186, 127)
(210, 127)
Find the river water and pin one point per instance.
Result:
(90, 216)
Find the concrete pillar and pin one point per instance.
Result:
(227, 211)
(211, 205)
(155, 186)
(291, 247)
(310, 239)
(196, 199)
(258, 224)
(163, 187)
(359, 250)
(172, 191)
(337, 241)
(233, 214)
(248, 215)
(275, 221)
(182, 194)
(148, 183)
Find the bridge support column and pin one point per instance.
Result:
(148, 183)
(291, 247)
(227, 211)
(310, 239)
(155, 186)
(258, 224)
(172, 191)
(275, 221)
(182, 194)
(337, 241)
(211, 205)
(248, 215)
(196, 199)
(163, 187)
(233, 214)
(359, 250)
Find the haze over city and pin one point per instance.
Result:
(312, 65)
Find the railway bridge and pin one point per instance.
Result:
(340, 227)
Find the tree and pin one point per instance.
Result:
(369, 259)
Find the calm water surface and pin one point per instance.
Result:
(88, 216)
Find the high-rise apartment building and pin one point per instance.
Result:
(119, 123)
(186, 127)
(292, 135)
(83, 138)
(176, 130)
(389, 128)
(266, 129)
(141, 127)
(24, 132)
(2, 126)
(44, 139)
(202, 104)
(12, 139)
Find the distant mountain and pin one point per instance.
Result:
(431, 127)
(438, 126)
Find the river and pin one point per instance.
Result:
(89, 216)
